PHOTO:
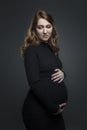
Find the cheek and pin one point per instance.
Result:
(50, 31)
(39, 32)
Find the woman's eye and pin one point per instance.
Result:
(39, 27)
(48, 26)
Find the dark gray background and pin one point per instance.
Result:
(71, 19)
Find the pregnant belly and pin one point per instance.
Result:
(56, 91)
(60, 92)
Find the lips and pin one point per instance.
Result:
(45, 36)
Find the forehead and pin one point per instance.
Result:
(42, 21)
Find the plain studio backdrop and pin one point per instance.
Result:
(71, 19)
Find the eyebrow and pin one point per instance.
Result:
(43, 25)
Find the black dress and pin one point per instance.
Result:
(44, 95)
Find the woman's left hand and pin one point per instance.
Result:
(57, 76)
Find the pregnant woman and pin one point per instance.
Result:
(47, 96)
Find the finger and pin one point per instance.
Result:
(63, 104)
(60, 80)
(56, 69)
(62, 107)
(54, 80)
(60, 110)
(60, 73)
(61, 76)
(55, 74)
(55, 77)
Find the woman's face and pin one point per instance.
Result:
(44, 29)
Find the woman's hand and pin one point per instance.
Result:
(57, 76)
(60, 109)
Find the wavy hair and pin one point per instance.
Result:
(32, 37)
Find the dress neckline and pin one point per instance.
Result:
(45, 44)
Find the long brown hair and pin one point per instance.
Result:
(32, 38)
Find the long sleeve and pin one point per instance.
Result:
(40, 87)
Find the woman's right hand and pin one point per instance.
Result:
(60, 109)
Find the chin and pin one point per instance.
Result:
(45, 40)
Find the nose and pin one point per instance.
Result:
(44, 30)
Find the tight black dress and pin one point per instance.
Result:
(44, 95)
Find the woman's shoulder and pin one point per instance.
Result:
(30, 50)
(30, 47)
(33, 47)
